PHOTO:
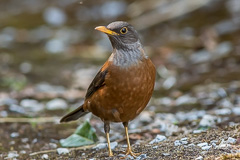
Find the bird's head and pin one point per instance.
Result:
(121, 34)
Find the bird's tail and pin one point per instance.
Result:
(74, 115)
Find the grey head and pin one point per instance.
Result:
(127, 48)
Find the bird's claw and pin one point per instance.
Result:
(130, 152)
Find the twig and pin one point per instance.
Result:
(54, 150)
(29, 120)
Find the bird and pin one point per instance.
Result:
(123, 86)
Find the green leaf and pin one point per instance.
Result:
(84, 135)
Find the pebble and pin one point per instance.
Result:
(158, 138)
(177, 143)
(14, 134)
(207, 121)
(202, 144)
(169, 82)
(3, 113)
(155, 147)
(104, 145)
(197, 131)
(231, 140)
(206, 147)
(236, 110)
(166, 154)
(62, 151)
(32, 105)
(24, 140)
(57, 103)
(145, 117)
(12, 154)
(45, 156)
(142, 156)
(54, 16)
(186, 99)
(224, 111)
(199, 158)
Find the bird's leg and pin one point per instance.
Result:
(107, 130)
(129, 149)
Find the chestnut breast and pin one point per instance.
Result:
(125, 94)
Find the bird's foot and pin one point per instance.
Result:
(110, 153)
(130, 152)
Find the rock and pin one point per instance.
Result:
(199, 158)
(45, 156)
(145, 117)
(197, 131)
(207, 121)
(231, 140)
(225, 103)
(45, 87)
(55, 46)
(202, 144)
(25, 67)
(57, 103)
(177, 143)
(3, 113)
(62, 151)
(224, 111)
(236, 110)
(54, 16)
(158, 138)
(24, 140)
(142, 156)
(169, 82)
(155, 147)
(104, 145)
(32, 105)
(184, 139)
(12, 154)
(166, 154)
(14, 134)
(206, 147)
(186, 100)
(23, 152)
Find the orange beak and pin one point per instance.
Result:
(105, 30)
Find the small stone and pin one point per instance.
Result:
(100, 146)
(14, 134)
(32, 105)
(207, 121)
(145, 117)
(184, 142)
(57, 103)
(224, 111)
(184, 139)
(54, 16)
(177, 143)
(202, 144)
(199, 158)
(158, 138)
(3, 113)
(142, 156)
(236, 110)
(191, 145)
(22, 152)
(186, 100)
(45, 156)
(197, 131)
(166, 154)
(206, 147)
(155, 147)
(62, 151)
(231, 140)
(24, 140)
(113, 145)
(12, 154)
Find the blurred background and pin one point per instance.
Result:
(49, 53)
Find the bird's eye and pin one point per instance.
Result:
(124, 30)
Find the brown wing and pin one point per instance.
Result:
(98, 82)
